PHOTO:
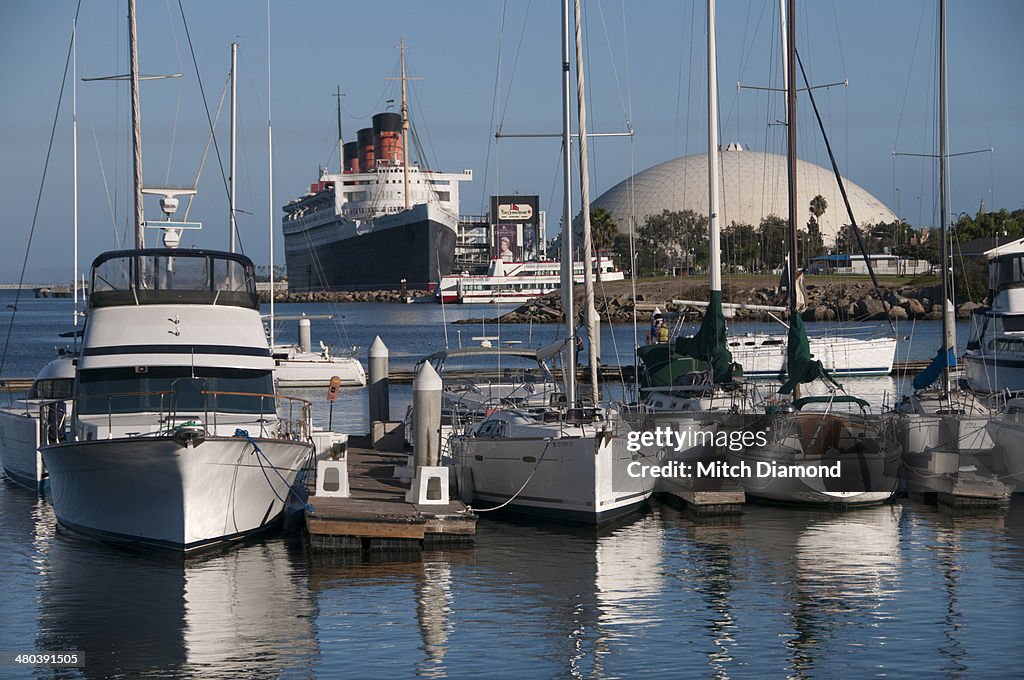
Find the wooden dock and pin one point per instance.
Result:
(702, 497)
(377, 518)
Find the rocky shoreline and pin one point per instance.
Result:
(347, 296)
(826, 301)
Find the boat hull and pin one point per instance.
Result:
(412, 249)
(158, 493)
(987, 374)
(318, 372)
(574, 479)
(840, 356)
(867, 453)
(19, 448)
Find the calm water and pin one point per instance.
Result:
(888, 591)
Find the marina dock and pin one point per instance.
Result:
(376, 517)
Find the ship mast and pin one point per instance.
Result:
(341, 144)
(405, 131)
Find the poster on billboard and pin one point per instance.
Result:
(515, 220)
(506, 243)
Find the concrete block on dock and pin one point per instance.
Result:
(429, 486)
(329, 444)
(405, 472)
(332, 478)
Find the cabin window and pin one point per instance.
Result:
(55, 388)
(180, 388)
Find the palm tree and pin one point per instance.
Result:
(818, 206)
(603, 230)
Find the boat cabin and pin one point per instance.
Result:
(155, 276)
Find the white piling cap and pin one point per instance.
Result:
(427, 379)
(378, 350)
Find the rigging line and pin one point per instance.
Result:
(615, 71)
(206, 107)
(515, 63)
(494, 108)
(181, 90)
(106, 186)
(39, 195)
(842, 186)
(206, 149)
(910, 71)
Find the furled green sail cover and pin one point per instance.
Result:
(800, 366)
(708, 343)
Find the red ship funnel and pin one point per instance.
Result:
(387, 137)
(365, 142)
(350, 152)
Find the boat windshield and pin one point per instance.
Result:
(52, 388)
(165, 276)
(174, 388)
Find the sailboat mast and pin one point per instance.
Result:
(943, 195)
(234, 120)
(569, 365)
(270, 182)
(715, 245)
(405, 132)
(133, 61)
(791, 164)
(74, 166)
(593, 322)
(791, 152)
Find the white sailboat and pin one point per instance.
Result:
(176, 438)
(568, 464)
(693, 385)
(299, 365)
(828, 449)
(944, 427)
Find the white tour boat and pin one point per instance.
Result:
(515, 282)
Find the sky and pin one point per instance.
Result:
(484, 64)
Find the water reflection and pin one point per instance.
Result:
(370, 603)
(133, 615)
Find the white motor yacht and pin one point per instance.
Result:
(19, 423)
(176, 438)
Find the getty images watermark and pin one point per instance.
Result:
(666, 439)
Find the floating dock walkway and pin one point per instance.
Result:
(376, 515)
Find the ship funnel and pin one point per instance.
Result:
(365, 142)
(350, 153)
(387, 137)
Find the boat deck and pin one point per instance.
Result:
(376, 516)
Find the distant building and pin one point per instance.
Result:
(754, 186)
(855, 264)
(979, 246)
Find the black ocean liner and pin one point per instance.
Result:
(383, 223)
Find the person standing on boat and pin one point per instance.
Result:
(657, 322)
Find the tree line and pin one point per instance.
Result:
(677, 241)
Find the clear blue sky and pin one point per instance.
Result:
(646, 65)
